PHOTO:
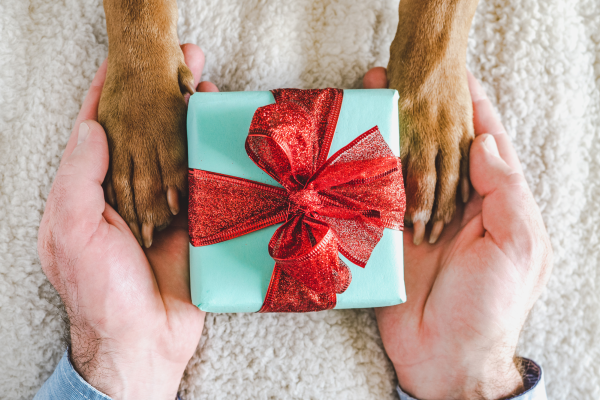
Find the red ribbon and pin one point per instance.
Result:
(329, 206)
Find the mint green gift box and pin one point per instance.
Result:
(233, 276)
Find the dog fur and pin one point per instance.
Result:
(143, 110)
(427, 67)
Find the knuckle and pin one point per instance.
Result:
(68, 168)
(517, 181)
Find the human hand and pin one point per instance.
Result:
(469, 294)
(133, 327)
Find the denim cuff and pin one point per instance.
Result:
(533, 383)
(66, 384)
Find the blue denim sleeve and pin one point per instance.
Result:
(66, 384)
(533, 384)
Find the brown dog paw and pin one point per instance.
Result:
(143, 111)
(436, 130)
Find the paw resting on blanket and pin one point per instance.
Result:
(427, 67)
(436, 120)
(145, 121)
(143, 111)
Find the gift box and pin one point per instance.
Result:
(236, 272)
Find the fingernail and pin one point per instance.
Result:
(84, 132)
(490, 145)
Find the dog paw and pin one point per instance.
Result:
(436, 131)
(143, 111)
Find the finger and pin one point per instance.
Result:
(194, 59)
(79, 178)
(488, 169)
(89, 159)
(207, 87)
(89, 109)
(375, 78)
(169, 258)
(508, 209)
(485, 120)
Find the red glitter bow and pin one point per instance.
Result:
(329, 206)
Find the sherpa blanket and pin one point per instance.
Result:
(539, 61)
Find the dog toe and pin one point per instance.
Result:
(420, 181)
(152, 206)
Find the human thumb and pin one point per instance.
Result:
(89, 158)
(488, 170)
(509, 212)
(75, 203)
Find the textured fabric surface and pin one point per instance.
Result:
(539, 61)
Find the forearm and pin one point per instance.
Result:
(141, 33)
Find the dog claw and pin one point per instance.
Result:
(465, 189)
(110, 194)
(189, 88)
(436, 231)
(147, 231)
(136, 232)
(419, 232)
(186, 81)
(173, 200)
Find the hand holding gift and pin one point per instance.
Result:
(468, 295)
(133, 328)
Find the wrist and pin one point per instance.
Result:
(121, 374)
(487, 378)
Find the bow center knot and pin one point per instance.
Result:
(306, 200)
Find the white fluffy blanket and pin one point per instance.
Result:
(539, 61)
